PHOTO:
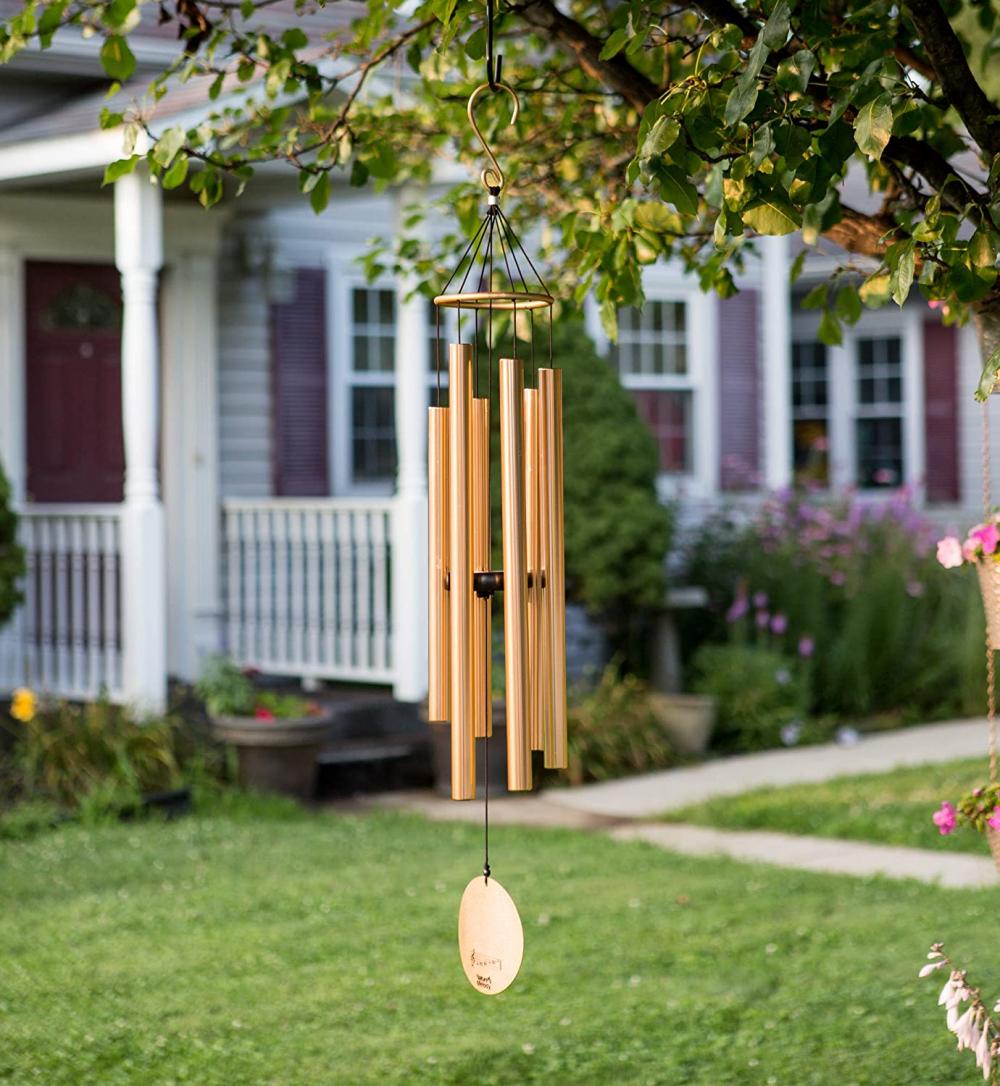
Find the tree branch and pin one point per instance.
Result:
(616, 72)
(943, 48)
(860, 233)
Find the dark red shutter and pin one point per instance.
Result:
(739, 392)
(74, 383)
(941, 412)
(299, 386)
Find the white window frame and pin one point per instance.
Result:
(667, 284)
(343, 279)
(844, 409)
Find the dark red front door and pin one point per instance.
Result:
(73, 358)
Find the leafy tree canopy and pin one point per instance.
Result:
(648, 130)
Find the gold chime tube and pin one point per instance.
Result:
(438, 648)
(515, 573)
(550, 404)
(460, 594)
(532, 508)
(482, 647)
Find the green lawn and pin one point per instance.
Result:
(893, 808)
(304, 950)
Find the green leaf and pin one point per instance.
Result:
(902, 276)
(816, 298)
(120, 168)
(657, 217)
(988, 378)
(873, 126)
(874, 291)
(117, 58)
(775, 29)
(294, 38)
(981, 251)
(167, 146)
(660, 137)
(320, 195)
(848, 304)
(174, 177)
(677, 189)
(772, 216)
(616, 42)
(829, 329)
(743, 97)
(794, 71)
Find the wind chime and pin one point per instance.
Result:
(462, 580)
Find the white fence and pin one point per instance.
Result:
(65, 640)
(308, 586)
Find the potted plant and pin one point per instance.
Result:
(277, 736)
(980, 548)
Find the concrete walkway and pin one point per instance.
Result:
(656, 793)
(956, 870)
(619, 808)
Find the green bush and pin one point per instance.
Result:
(11, 554)
(229, 691)
(618, 532)
(854, 588)
(93, 757)
(614, 731)
(758, 692)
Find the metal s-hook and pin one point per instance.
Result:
(492, 177)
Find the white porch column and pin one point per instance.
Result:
(409, 575)
(190, 456)
(139, 257)
(12, 403)
(777, 345)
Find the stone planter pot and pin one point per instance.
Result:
(687, 720)
(275, 755)
(441, 751)
(989, 584)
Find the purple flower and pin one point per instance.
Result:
(738, 609)
(944, 819)
(763, 618)
(760, 600)
(806, 647)
(779, 624)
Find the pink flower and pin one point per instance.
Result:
(806, 647)
(944, 819)
(949, 552)
(779, 624)
(261, 713)
(738, 609)
(994, 820)
(760, 600)
(970, 550)
(763, 618)
(988, 536)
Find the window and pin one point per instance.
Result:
(372, 385)
(810, 413)
(879, 412)
(651, 356)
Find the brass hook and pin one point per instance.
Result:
(493, 171)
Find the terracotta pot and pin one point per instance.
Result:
(276, 755)
(989, 584)
(687, 720)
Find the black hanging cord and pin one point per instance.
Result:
(493, 68)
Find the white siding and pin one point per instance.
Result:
(287, 236)
(244, 378)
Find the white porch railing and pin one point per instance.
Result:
(308, 586)
(65, 640)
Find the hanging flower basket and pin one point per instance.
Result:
(979, 809)
(989, 583)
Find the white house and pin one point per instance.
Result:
(215, 428)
